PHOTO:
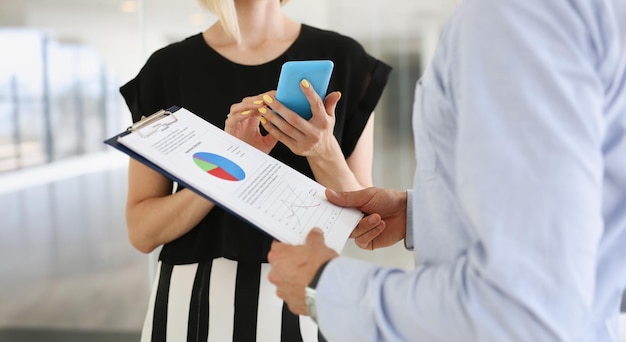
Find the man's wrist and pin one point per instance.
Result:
(408, 238)
(317, 275)
(310, 292)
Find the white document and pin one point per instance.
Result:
(245, 181)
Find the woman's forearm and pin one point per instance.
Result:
(159, 220)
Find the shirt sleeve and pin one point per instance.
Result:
(366, 78)
(527, 178)
(155, 87)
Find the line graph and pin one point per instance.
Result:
(297, 206)
(300, 209)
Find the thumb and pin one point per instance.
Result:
(334, 198)
(315, 237)
(353, 199)
(330, 102)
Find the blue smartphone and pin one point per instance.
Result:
(288, 91)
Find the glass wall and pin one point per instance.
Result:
(57, 100)
(59, 80)
(61, 67)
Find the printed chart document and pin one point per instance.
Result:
(236, 176)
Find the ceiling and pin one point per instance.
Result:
(174, 16)
(103, 25)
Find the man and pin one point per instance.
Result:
(518, 211)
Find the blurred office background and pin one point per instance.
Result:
(68, 272)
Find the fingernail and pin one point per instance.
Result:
(257, 102)
(245, 112)
(262, 110)
(267, 99)
(372, 220)
(305, 83)
(263, 121)
(339, 93)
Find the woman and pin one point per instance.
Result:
(212, 277)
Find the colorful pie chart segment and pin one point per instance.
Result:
(219, 166)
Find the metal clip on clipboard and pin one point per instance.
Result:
(143, 127)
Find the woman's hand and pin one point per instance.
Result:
(243, 122)
(309, 138)
(313, 138)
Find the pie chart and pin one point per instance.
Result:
(219, 166)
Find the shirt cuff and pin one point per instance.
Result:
(408, 239)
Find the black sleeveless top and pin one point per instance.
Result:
(192, 75)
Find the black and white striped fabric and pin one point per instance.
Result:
(220, 301)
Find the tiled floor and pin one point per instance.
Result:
(65, 335)
(67, 265)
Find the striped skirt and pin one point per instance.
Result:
(221, 300)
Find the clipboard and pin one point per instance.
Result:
(242, 180)
(143, 123)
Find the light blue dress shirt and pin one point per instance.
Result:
(519, 200)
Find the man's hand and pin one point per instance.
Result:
(385, 223)
(293, 268)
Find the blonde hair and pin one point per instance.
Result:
(227, 15)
